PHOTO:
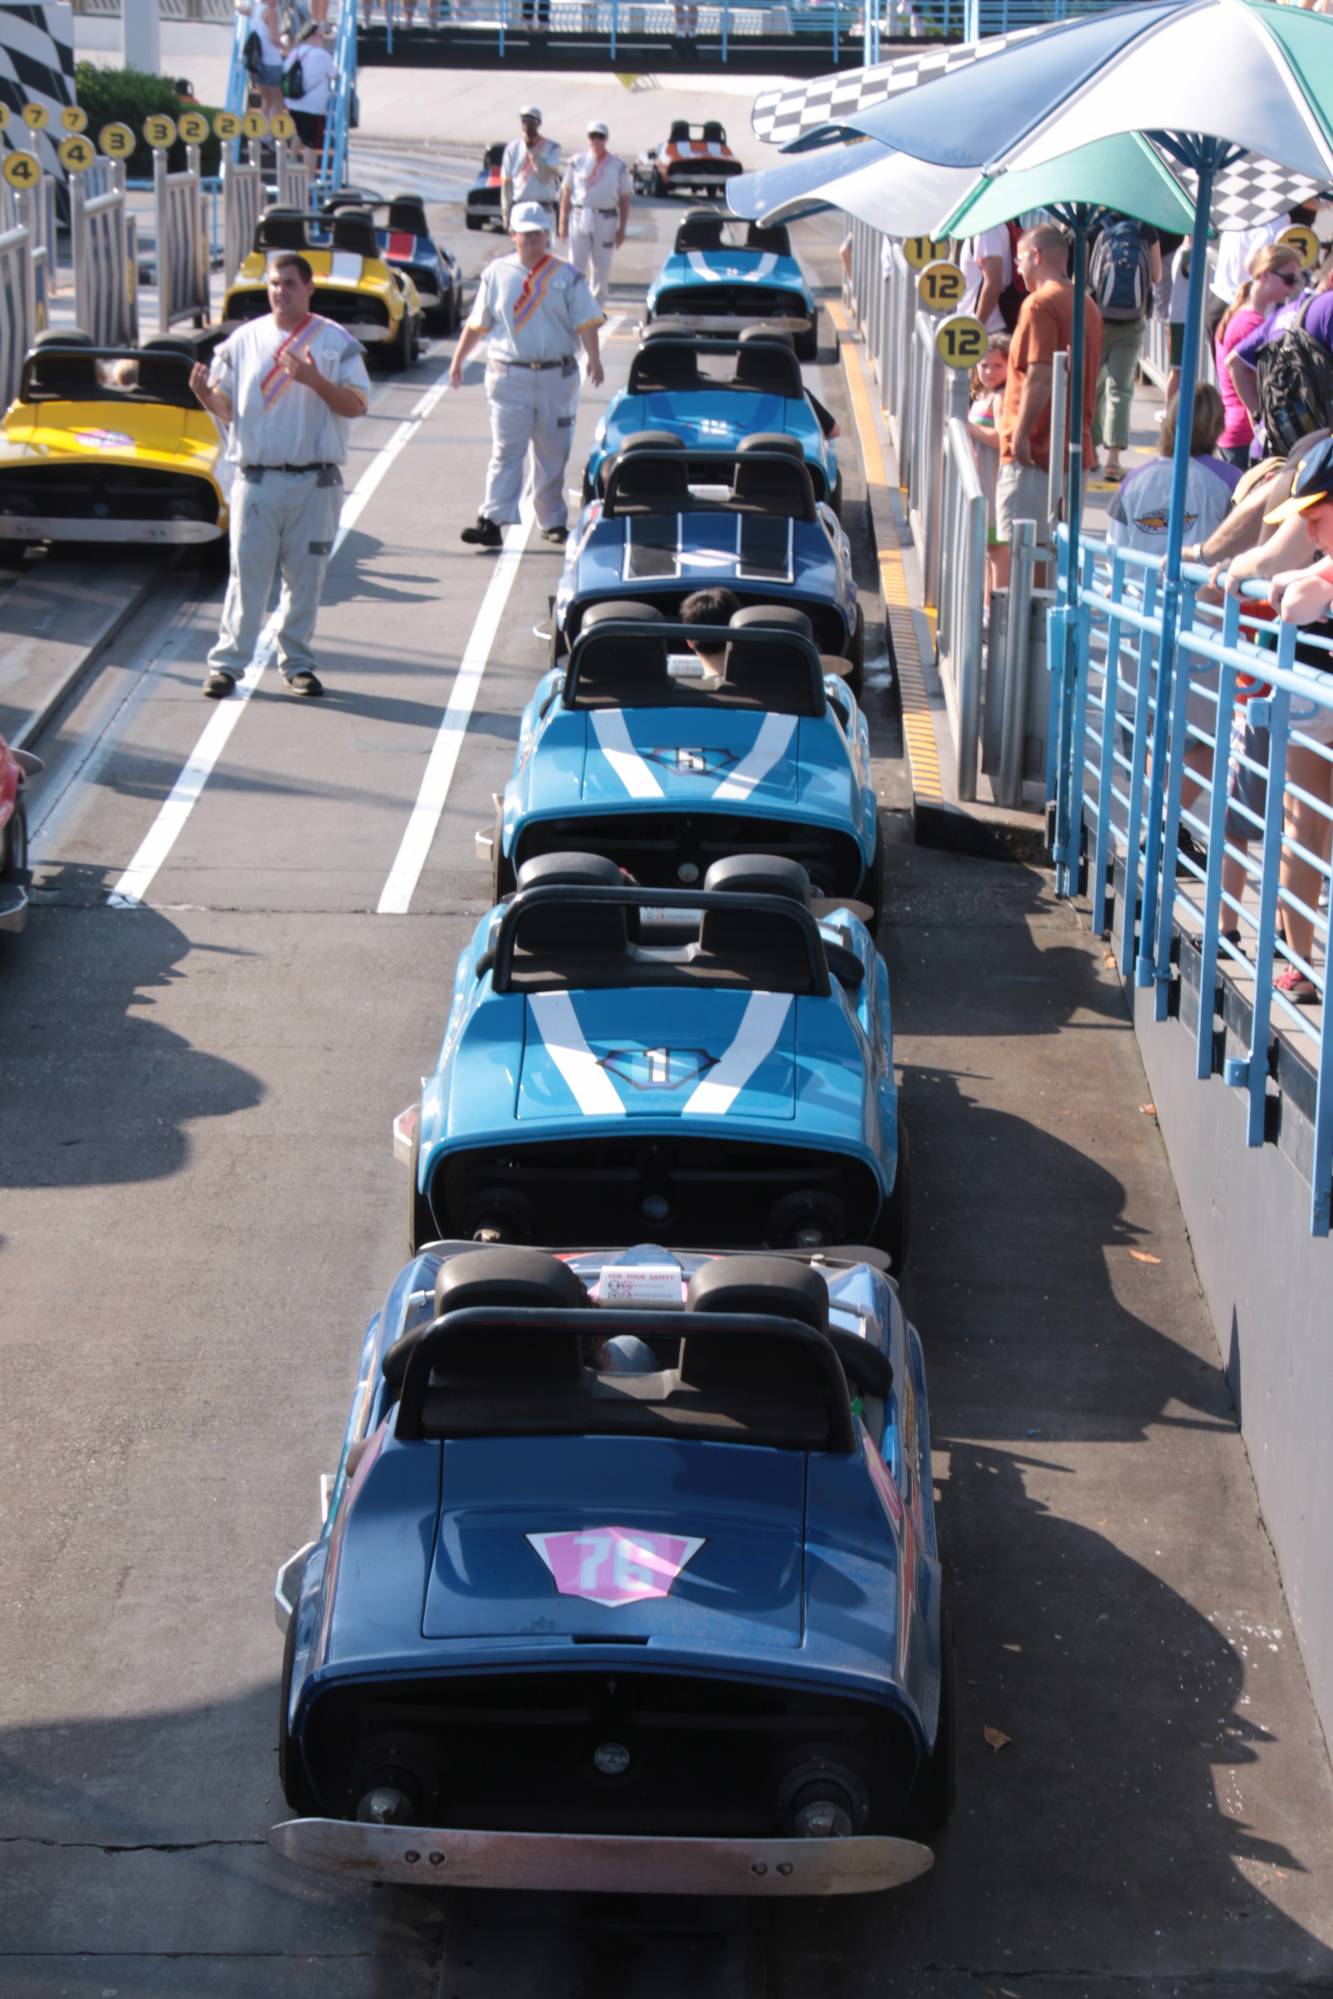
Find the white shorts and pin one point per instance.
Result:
(1020, 495)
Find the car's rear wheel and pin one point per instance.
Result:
(892, 1229)
(400, 349)
(472, 222)
(660, 186)
(835, 497)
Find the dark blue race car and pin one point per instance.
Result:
(658, 533)
(405, 241)
(721, 282)
(714, 1065)
(714, 395)
(627, 1581)
(639, 751)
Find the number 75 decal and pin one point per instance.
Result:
(614, 1565)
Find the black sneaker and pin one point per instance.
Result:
(305, 682)
(486, 534)
(218, 684)
(559, 534)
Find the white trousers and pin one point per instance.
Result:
(531, 409)
(285, 521)
(592, 244)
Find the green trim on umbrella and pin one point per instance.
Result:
(1122, 173)
(1308, 46)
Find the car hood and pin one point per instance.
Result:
(152, 434)
(673, 1543)
(694, 756)
(658, 1052)
(640, 555)
(729, 267)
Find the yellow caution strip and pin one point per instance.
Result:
(918, 723)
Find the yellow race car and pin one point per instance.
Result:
(109, 444)
(353, 284)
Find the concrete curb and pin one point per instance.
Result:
(72, 679)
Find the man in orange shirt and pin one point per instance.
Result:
(1045, 325)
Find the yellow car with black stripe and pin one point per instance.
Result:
(110, 444)
(354, 286)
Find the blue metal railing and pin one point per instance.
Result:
(1248, 778)
(331, 168)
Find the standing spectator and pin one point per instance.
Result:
(594, 209)
(1045, 325)
(983, 427)
(530, 169)
(1140, 511)
(1292, 393)
(1276, 275)
(993, 294)
(286, 387)
(263, 52)
(1231, 265)
(538, 311)
(307, 78)
(1125, 264)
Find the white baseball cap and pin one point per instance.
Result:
(528, 215)
(597, 130)
(531, 111)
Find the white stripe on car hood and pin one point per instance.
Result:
(769, 747)
(765, 268)
(761, 1024)
(593, 1091)
(613, 739)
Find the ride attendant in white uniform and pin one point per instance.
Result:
(530, 169)
(594, 209)
(538, 312)
(287, 388)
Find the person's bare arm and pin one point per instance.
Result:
(1289, 548)
(341, 397)
(1032, 406)
(992, 284)
(592, 354)
(1246, 379)
(468, 339)
(624, 218)
(211, 399)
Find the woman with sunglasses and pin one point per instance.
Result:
(1275, 278)
(1312, 312)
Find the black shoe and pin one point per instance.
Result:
(559, 534)
(218, 684)
(305, 682)
(486, 534)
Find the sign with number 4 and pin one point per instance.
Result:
(21, 170)
(76, 154)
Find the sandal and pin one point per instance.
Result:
(1293, 985)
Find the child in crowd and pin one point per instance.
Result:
(983, 427)
(1139, 512)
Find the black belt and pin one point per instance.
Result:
(565, 361)
(322, 465)
(595, 211)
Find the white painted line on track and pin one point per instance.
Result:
(166, 829)
(415, 846)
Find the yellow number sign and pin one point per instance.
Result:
(1304, 242)
(4, 116)
(960, 340)
(160, 131)
(74, 118)
(940, 287)
(282, 125)
(193, 127)
(76, 154)
(227, 124)
(35, 117)
(117, 141)
(254, 124)
(21, 170)
(922, 250)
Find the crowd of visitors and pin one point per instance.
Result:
(290, 65)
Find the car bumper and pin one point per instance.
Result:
(13, 908)
(592, 1862)
(728, 324)
(41, 527)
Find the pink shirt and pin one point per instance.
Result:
(1239, 429)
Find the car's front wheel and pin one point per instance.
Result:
(892, 1229)
(932, 1797)
(856, 654)
(806, 342)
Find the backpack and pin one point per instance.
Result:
(252, 54)
(1295, 384)
(1010, 302)
(1118, 271)
(293, 80)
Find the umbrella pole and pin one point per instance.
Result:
(1062, 624)
(1205, 156)
(1079, 219)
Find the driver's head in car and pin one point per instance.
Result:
(716, 606)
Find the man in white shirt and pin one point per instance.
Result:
(988, 266)
(530, 170)
(594, 209)
(286, 389)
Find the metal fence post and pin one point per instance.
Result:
(1013, 712)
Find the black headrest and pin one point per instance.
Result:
(68, 374)
(767, 1286)
(768, 368)
(714, 132)
(664, 364)
(761, 330)
(669, 328)
(282, 229)
(619, 610)
(563, 936)
(623, 672)
(354, 232)
(506, 1275)
(783, 673)
(772, 483)
(773, 618)
(760, 874)
(494, 154)
(408, 211)
(647, 483)
(165, 377)
(680, 129)
(769, 236)
(544, 870)
(652, 440)
(55, 336)
(702, 231)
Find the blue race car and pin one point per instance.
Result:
(715, 1065)
(719, 285)
(761, 397)
(405, 242)
(657, 534)
(637, 751)
(628, 1581)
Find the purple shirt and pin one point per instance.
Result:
(1318, 323)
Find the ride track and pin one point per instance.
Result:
(201, 1209)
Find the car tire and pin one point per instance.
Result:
(421, 1224)
(835, 497)
(661, 187)
(472, 222)
(932, 1798)
(14, 844)
(807, 343)
(892, 1231)
(291, 1774)
(872, 889)
(856, 654)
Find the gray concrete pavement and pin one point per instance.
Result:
(200, 1210)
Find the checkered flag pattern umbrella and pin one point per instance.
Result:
(36, 67)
